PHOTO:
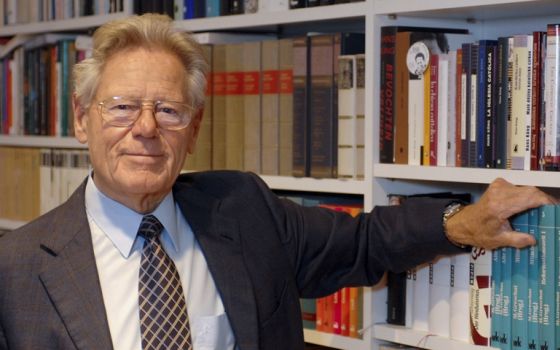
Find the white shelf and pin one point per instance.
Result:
(472, 9)
(333, 340)
(466, 175)
(10, 224)
(267, 19)
(425, 340)
(314, 185)
(72, 24)
(41, 141)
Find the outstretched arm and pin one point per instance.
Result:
(485, 223)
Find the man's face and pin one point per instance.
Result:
(142, 160)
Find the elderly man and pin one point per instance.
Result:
(140, 257)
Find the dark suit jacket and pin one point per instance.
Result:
(264, 254)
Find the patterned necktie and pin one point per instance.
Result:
(164, 323)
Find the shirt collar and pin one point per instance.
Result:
(121, 223)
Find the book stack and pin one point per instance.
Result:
(489, 103)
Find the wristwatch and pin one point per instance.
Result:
(450, 210)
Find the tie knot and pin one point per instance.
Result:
(150, 227)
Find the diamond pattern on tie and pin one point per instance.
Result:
(164, 322)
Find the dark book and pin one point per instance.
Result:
(396, 298)
(168, 8)
(312, 3)
(296, 4)
(486, 103)
(236, 7)
(502, 106)
(300, 158)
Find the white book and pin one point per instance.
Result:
(360, 106)
(440, 292)
(521, 103)
(551, 81)
(415, 119)
(442, 107)
(273, 5)
(459, 299)
(409, 300)
(16, 66)
(421, 292)
(347, 146)
(451, 108)
(45, 181)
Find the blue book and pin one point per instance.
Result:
(519, 286)
(486, 104)
(505, 291)
(533, 284)
(496, 307)
(213, 8)
(557, 274)
(547, 276)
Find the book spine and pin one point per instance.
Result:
(440, 292)
(533, 284)
(401, 98)
(433, 120)
(552, 79)
(473, 105)
(387, 93)
(465, 103)
(519, 286)
(480, 296)
(547, 276)
(536, 101)
(286, 105)
(501, 103)
(459, 117)
(459, 301)
(347, 147)
(300, 107)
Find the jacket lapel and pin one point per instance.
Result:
(219, 239)
(70, 276)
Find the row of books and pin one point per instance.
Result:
(341, 312)
(508, 298)
(39, 179)
(292, 106)
(447, 100)
(189, 9)
(433, 297)
(31, 11)
(526, 285)
(36, 80)
(36, 180)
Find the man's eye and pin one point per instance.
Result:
(167, 110)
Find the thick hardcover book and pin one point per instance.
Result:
(270, 151)
(252, 106)
(219, 107)
(521, 102)
(234, 107)
(300, 158)
(519, 286)
(286, 105)
(347, 147)
(321, 97)
(486, 109)
(396, 298)
(473, 104)
(360, 114)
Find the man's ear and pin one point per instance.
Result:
(80, 120)
(194, 130)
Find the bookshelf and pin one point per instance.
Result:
(485, 19)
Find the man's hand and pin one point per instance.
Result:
(485, 223)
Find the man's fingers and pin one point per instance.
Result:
(515, 239)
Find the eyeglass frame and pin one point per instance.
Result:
(144, 102)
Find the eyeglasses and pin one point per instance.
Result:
(124, 111)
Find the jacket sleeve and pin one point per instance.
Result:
(330, 250)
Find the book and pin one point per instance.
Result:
(459, 300)
(480, 296)
(547, 280)
(519, 287)
(219, 106)
(551, 81)
(439, 295)
(502, 105)
(300, 136)
(360, 106)
(251, 116)
(347, 118)
(521, 102)
(286, 105)
(486, 109)
(270, 105)
(235, 110)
